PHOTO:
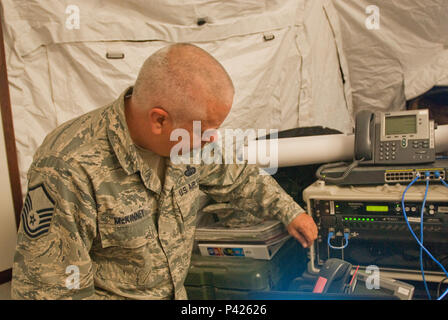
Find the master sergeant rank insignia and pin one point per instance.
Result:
(37, 212)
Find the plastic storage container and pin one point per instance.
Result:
(230, 278)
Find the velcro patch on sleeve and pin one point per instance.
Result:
(37, 212)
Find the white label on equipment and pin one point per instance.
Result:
(403, 291)
(443, 209)
(432, 134)
(331, 207)
(413, 219)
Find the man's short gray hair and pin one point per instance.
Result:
(175, 73)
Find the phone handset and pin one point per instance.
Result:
(364, 144)
(333, 277)
(364, 135)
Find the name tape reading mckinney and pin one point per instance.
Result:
(130, 218)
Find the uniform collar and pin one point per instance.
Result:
(123, 146)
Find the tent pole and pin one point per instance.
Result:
(10, 144)
(8, 129)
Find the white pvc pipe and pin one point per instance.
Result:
(441, 138)
(325, 148)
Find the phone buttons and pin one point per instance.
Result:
(404, 143)
(418, 157)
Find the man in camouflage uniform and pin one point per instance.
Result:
(109, 215)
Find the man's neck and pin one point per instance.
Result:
(134, 122)
(131, 120)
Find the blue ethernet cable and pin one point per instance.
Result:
(437, 175)
(443, 181)
(330, 235)
(427, 175)
(415, 237)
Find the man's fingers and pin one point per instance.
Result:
(299, 237)
(308, 233)
(304, 229)
(308, 228)
(312, 229)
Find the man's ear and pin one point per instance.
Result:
(158, 119)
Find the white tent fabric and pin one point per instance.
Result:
(284, 57)
(397, 57)
(294, 62)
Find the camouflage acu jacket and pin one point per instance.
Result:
(98, 224)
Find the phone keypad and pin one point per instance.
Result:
(388, 150)
(419, 150)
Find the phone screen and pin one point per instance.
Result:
(401, 125)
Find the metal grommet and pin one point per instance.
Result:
(268, 37)
(201, 21)
(115, 55)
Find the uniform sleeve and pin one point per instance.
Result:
(57, 227)
(245, 187)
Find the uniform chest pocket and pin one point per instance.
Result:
(126, 230)
(187, 201)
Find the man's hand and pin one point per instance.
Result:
(303, 229)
